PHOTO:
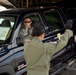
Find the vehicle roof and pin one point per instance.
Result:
(18, 11)
(13, 11)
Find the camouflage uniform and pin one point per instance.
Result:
(24, 34)
(38, 54)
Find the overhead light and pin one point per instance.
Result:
(2, 8)
(53, 1)
(41, 7)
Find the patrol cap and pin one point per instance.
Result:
(38, 30)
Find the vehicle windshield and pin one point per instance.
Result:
(6, 27)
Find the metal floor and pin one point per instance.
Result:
(71, 70)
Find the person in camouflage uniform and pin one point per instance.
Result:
(26, 31)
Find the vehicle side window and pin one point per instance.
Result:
(54, 21)
(71, 13)
(23, 34)
(6, 27)
(35, 17)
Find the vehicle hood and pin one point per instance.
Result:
(3, 50)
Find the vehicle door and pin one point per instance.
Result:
(71, 14)
(19, 50)
(7, 23)
(55, 24)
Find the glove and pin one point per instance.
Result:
(68, 24)
(58, 36)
